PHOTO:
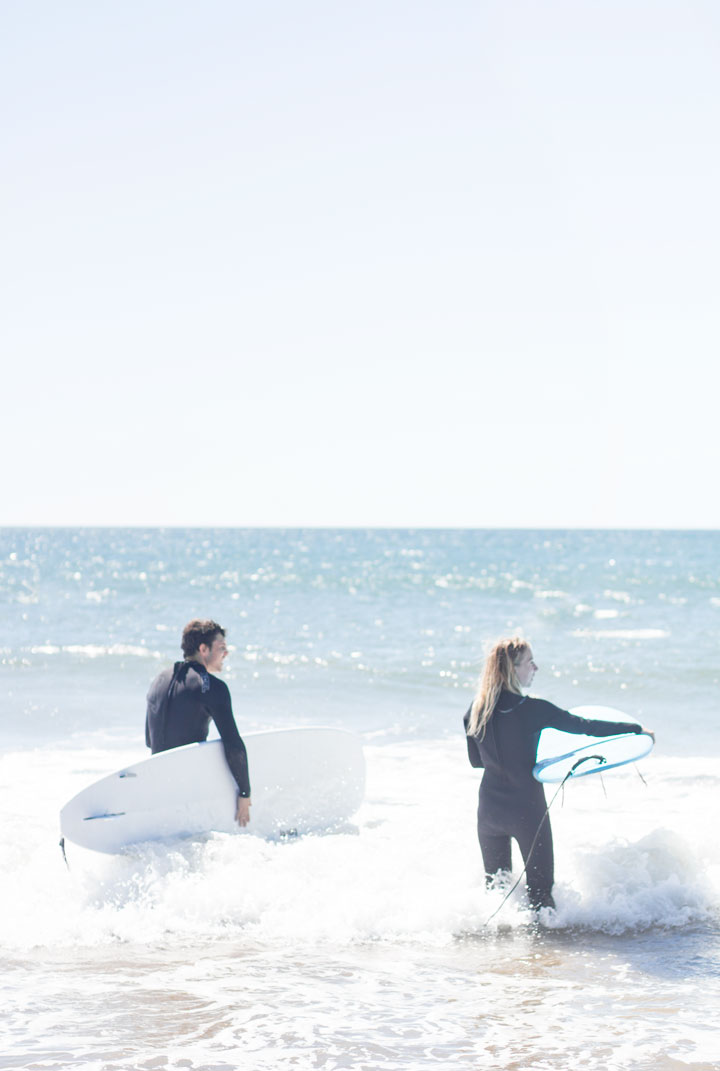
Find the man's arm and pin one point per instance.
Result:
(235, 752)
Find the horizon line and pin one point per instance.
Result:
(367, 527)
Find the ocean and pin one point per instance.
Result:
(370, 948)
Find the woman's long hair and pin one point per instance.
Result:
(498, 673)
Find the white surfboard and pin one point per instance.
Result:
(302, 780)
(560, 753)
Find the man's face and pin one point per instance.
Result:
(215, 654)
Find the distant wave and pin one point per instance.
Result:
(93, 650)
(624, 633)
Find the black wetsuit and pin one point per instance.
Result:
(511, 802)
(180, 704)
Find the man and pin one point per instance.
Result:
(182, 700)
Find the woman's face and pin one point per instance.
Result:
(525, 668)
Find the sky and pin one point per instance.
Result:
(374, 262)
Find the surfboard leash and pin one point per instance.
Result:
(637, 771)
(601, 761)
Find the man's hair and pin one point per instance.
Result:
(198, 632)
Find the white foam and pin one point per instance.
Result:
(367, 948)
(624, 633)
(655, 881)
(409, 871)
(97, 651)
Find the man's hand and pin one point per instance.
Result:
(242, 815)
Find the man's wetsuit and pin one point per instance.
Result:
(511, 802)
(180, 704)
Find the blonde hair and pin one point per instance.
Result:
(498, 673)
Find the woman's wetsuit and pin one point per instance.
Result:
(511, 802)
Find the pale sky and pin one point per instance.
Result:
(374, 262)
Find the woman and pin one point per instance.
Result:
(502, 728)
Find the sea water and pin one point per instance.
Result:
(374, 947)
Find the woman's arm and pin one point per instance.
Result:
(472, 745)
(556, 718)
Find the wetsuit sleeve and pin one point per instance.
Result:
(556, 718)
(472, 745)
(235, 752)
(155, 714)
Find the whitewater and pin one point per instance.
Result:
(368, 948)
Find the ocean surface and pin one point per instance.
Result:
(371, 948)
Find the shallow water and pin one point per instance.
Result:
(369, 948)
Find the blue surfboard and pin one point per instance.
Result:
(560, 753)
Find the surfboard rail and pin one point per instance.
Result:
(604, 751)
